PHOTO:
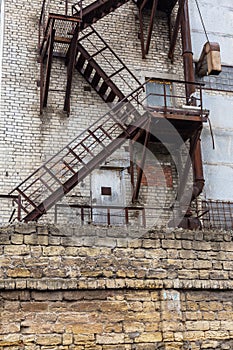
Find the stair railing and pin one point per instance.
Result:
(44, 15)
(77, 8)
(42, 24)
(77, 153)
(85, 152)
(15, 211)
(100, 52)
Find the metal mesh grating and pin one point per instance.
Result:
(218, 214)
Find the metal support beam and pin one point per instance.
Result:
(142, 164)
(184, 176)
(153, 10)
(152, 16)
(176, 29)
(131, 167)
(41, 84)
(142, 34)
(66, 7)
(190, 88)
(48, 67)
(70, 68)
(199, 180)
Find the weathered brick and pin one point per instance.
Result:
(67, 339)
(53, 250)
(169, 244)
(49, 339)
(16, 250)
(17, 238)
(197, 325)
(84, 339)
(111, 338)
(149, 337)
(18, 272)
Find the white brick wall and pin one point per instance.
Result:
(28, 138)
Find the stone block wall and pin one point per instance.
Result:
(115, 289)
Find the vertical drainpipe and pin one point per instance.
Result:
(199, 181)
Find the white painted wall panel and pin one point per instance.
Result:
(218, 19)
(220, 182)
(218, 162)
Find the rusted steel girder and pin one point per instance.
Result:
(152, 17)
(70, 68)
(45, 76)
(142, 34)
(48, 67)
(176, 29)
(199, 181)
(142, 164)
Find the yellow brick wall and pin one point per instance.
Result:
(88, 288)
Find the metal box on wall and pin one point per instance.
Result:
(210, 60)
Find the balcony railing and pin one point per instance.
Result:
(216, 214)
(10, 204)
(170, 97)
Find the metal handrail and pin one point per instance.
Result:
(15, 199)
(42, 25)
(126, 99)
(80, 10)
(130, 97)
(108, 208)
(165, 95)
(117, 57)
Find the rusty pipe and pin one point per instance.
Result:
(187, 53)
(199, 180)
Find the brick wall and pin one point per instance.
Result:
(157, 176)
(222, 82)
(28, 138)
(90, 288)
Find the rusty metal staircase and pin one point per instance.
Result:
(99, 80)
(83, 49)
(59, 35)
(61, 173)
(88, 63)
(87, 51)
(97, 10)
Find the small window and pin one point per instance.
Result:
(159, 93)
(106, 191)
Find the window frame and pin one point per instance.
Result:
(162, 82)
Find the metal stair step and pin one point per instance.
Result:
(111, 97)
(97, 10)
(88, 70)
(103, 88)
(95, 80)
(80, 62)
(47, 203)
